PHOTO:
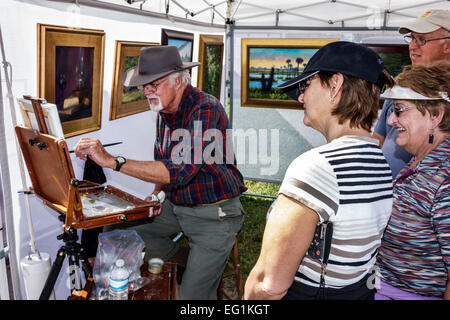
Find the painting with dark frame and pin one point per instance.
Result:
(125, 100)
(266, 63)
(210, 56)
(394, 56)
(70, 75)
(184, 41)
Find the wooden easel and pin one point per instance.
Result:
(50, 168)
(51, 172)
(37, 107)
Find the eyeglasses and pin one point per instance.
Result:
(420, 40)
(153, 85)
(302, 86)
(398, 111)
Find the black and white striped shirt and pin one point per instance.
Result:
(349, 183)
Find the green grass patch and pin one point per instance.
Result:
(263, 188)
(133, 96)
(274, 94)
(252, 231)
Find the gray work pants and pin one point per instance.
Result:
(211, 231)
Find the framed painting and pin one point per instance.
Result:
(210, 55)
(267, 63)
(395, 56)
(125, 100)
(70, 75)
(184, 41)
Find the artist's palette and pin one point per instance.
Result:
(96, 204)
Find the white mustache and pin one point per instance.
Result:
(155, 106)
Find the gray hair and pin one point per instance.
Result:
(185, 77)
(444, 33)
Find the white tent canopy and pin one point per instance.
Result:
(282, 13)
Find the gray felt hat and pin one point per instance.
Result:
(154, 63)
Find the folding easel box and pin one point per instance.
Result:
(85, 204)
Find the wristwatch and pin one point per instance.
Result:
(120, 161)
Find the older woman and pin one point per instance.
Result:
(414, 256)
(345, 185)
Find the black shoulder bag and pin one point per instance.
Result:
(320, 249)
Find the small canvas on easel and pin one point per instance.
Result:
(49, 111)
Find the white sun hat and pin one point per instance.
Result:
(401, 93)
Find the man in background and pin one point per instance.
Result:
(429, 42)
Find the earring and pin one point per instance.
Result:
(431, 138)
(332, 99)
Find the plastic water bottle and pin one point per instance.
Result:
(118, 281)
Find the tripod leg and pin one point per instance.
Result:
(74, 271)
(85, 263)
(53, 275)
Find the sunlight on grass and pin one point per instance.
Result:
(263, 188)
(252, 231)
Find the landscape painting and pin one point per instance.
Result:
(395, 56)
(270, 67)
(184, 47)
(184, 41)
(125, 100)
(268, 63)
(210, 56)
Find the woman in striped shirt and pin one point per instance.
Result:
(414, 256)
(346, 182)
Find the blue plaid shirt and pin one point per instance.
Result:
(192, 144)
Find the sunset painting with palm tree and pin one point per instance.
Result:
(269, 67)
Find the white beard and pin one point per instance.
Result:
(155, 107)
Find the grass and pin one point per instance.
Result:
(250, 237)
(275, 93)
(252, 231)
(133, 96)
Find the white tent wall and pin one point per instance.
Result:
(18, 22)
(293, 138)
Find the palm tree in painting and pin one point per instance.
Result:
(288, 61)
(298, 60)
(289, 65)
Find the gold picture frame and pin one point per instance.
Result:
(126, 101)
(266, 63)
(70, 75)
(210, 56)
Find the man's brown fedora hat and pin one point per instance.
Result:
(155, 63)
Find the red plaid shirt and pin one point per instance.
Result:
(188, 154)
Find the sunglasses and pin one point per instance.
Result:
(398, 111)
(302, 86)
